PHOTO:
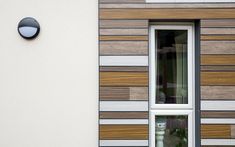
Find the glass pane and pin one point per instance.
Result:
(171, 62)
(171, 131)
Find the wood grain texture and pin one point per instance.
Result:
(218, 92)
(228, 31)
(215, 131)
(217, 59)
(218, 37)
(166, 13)
(114, 93)
(217, 68)
(122, 1)
(123, 31)
(232, 131)
(123, 78)
(123, 38)
(217, 114)
(104, 24)
(123, 47)
(217, 78)
(217, 47)
(124, 132)
(124, 115)
(138, 93)
(218, 23)
(124, 68)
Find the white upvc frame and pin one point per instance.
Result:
(173, 109)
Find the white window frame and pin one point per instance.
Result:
(173, 109)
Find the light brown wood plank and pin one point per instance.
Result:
(122, 1)
(104, 24)
(123, 31)
(232, 131)
(217, 59)
(218, 23)
(166, 13)
(124, 132)
(218, 68)
(123, 78)
(124, 115)
(217, 114)
(123, 38)
(123, 47)
(217, 78)
(218, 37)
(124, 68)
(114, 93)
(138, 93)
(215, 131)
(220, 31)
(218, 92)
(217, 47)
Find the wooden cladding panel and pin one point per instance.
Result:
(217, 114)
(123, 24)
(217, 47)
(123, 38)
(218, 37)
(124, 68)
(218, 23)
(217, 78)
(124, 79)
(123, 48)
(218, 92)
(166, 13)
(123, 31)
(215, 131)
(228, 31)
(124, 115)
(124, 132)
(218, 68)
(217, 59)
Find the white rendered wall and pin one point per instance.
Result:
(49, 86)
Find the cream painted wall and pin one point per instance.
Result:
(49, 86)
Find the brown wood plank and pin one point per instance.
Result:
(217, 47)
(124, 78)
(217, 68)
(124, 68)
(123, 47)
(138, 93)
(217, 59)
(218, 23)
(232, 131)
(124, 132)
(209, 31)
(215, 131)
(217, 114)
(166, 13)
(123, 31)
(217, 78)
(122, 1)
(124, 115)
(123, 38)
(218, 37)
(114, 93)
(218, 92)
(104, 24)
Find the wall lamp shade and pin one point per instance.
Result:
(28, 28)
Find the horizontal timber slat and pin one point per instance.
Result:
(217, 78)
(218, 23)
(217, 59)
(217, 68)
(123, 24)
(124, 68)
(123, 31)
(217, 47)
(218, 92)
(124, 115)
(124, 78)
(218, 37)
(123, 38)
(125, 132)
(221, 31)
(215, 131)
(166, 13)
(114, 93)
(217, 114)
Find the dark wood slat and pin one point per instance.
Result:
(123, 48)
(104, 24)
(217, 59)
(124, 68)
(217, 114)
(218, 23)
(218, 37)
(124, 79)
(166, 13)
(123, 31)
(218, 92)
(124, 132)
(217, 47)
(123, 38)
(114, 93)
(229, 31)
(124, 115)
(215, 131)
(217, 78)
(217, 68)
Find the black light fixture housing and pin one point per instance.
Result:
(28, 28)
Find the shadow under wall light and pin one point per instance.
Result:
(28, 28)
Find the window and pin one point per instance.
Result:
(172, 95)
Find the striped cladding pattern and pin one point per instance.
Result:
(124, 70)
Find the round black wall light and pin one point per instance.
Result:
(28, 28)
